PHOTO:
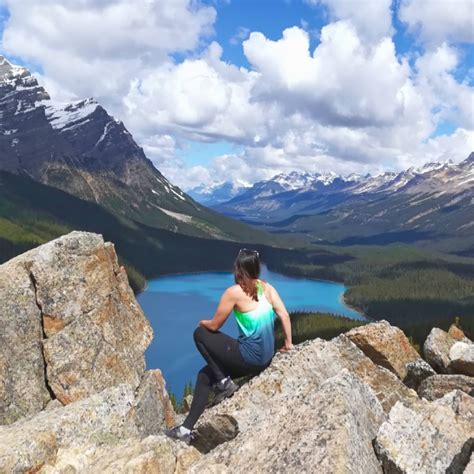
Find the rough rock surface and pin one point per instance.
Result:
(436, 349)
(22, 370)
(153, 454)
(76, 397)
(438, 386)
(153, 406)
(423, 436)
(461, 358)
(106, 418)
(417, 371)
(386, 345)
(305, 368)
(329, 429)
(71, 325)
(33, 441)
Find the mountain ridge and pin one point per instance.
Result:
(81, 149)
(437, 198)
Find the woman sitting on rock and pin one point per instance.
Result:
(254, 303)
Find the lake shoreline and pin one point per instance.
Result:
(342, 298)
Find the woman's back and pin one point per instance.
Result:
(256, 327)
(245, 303)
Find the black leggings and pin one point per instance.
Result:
(223, 358)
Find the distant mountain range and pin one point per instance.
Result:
(214, 194)
(431, 203)
(80, 149)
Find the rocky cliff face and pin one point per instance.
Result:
(76, 396)
(82, 150)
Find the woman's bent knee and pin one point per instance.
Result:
(199, 333)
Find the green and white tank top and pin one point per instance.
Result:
(256, 328)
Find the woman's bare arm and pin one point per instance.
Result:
(282, 313)
(226, 305)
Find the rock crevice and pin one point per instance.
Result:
(43, 332)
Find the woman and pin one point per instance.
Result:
(254, 303)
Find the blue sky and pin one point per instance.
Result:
(198, 118)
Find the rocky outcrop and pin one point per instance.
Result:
(105, 419)
(423, 436)
(153, 454)
(333, 424)
(301, 371)
(72, 326)
(438, 386)
(436, 350)
(386, 345)
(76, 397)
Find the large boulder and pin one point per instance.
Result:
(437, 386)
(386, 345)
(436, 350)
(71, 325)
(289, 380)
(153, 454)
(329, 429)
(423, 436)
(461, 358)
(115, 415)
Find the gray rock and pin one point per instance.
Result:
(436, 350)
(71, 325)
(461, 356)
(23, 387)
(285, 419)
(154, 454)
(438, 386)
(86, 431)
(299, 372)
(423, 436)
(153, 406)
(417, 371)
(327, 429)
(31, 442)
(386, 345)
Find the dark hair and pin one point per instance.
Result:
(246, 270)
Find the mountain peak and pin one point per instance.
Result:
(8, 71)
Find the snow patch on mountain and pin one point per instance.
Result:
(177, 215)
(64, 116)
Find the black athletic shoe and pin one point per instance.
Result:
(175, 433)
(224, 391)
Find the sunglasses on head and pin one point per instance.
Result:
(255, 252)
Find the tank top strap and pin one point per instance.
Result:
(260, 287)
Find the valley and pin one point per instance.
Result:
(401, 242)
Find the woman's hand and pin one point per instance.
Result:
(287, 347)
(204, 323)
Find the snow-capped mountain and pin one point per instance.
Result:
(79, 148)
(216, 193)
(435, 198)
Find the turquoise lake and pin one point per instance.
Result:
(175, 304)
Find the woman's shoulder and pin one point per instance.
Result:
(265, 283)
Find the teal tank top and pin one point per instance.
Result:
(256, 329)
